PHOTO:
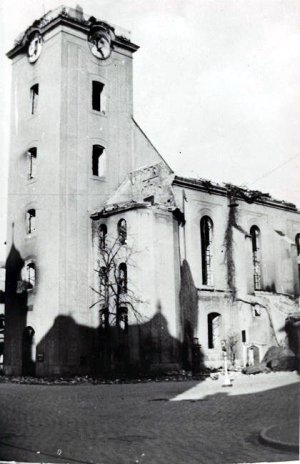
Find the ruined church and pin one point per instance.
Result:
(115, 263)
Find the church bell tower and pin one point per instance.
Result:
(71, 146)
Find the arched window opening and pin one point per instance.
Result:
(30, 221)
(29, 274)
(32, 157)
(122, 231)
(206, 230)
(255, 239)
(98, 161)
(123, 319)
(214, 330)
(122, 278)
(102, 236)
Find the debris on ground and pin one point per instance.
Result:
(280, 358)
(79, 380)
(256, 369)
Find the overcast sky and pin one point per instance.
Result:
(216, 85)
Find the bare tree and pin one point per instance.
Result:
(115, 299)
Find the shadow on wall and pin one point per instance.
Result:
(292, 329)
(18, 357)
(192, 358)
(148, 348)
(72, 349)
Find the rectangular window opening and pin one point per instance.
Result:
(97, 96)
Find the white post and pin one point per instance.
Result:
(226, 381)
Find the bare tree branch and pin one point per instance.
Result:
(114, 293)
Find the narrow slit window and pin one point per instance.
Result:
(206, 231)
(98, 161)
(97, 96)
(255, 239)
(30, 219)
(34, 94)
(32, 159)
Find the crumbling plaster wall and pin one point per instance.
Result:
(280, 282)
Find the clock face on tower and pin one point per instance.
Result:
(34, 47)
(101, 45)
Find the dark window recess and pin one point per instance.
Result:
(213, 330)
(206, 231)
(2, 322)
(34, 91)
(28, 274)
(102, 236)
(96, 95)
(103, 275)
(97, 152)
(30, 221)
(244, 336)
(122, 231)
(150, 199)
(122, 280)
(297, 241)
(256, 258)
(32, 156)
(123, 319)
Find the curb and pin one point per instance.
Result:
(265, 438)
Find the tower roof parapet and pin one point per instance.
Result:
(76, 19)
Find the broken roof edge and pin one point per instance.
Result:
(153, 146)
(117, 208)
(229, 190)
(75, 18)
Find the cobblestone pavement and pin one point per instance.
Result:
(137, 424)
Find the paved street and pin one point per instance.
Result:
(137, 423)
